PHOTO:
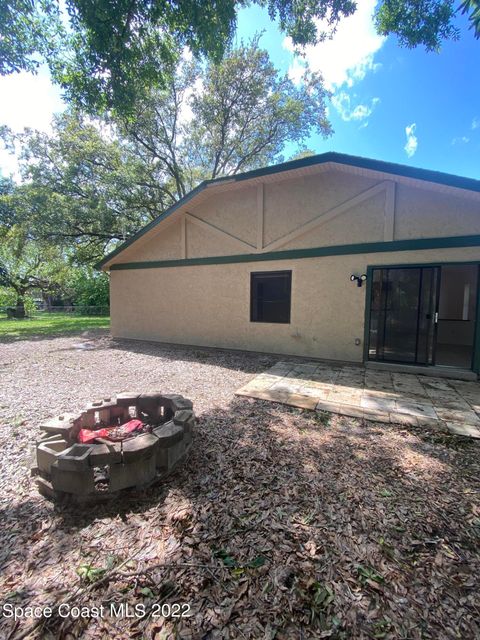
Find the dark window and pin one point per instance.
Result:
(270, 296)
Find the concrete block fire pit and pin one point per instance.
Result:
(129, 442)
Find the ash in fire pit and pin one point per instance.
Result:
(132, 441)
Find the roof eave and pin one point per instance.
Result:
(426, 175)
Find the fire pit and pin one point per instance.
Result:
(131, 441)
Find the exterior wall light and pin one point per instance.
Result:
(360, 279)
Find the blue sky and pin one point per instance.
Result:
(380, 89)
(389, 103)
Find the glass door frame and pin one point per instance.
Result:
(475, 364)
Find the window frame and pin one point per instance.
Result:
(254, 305)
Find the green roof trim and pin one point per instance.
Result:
(427, 175)
(416, 244)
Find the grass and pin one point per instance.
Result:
(49, 324)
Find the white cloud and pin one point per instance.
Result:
(460, 140)
(412, 140)
(297, 67)
(343, 104)
(349, 55)
(475, 123)
(27, 101)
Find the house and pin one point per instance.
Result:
(331, 256)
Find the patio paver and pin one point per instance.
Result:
(400, 398)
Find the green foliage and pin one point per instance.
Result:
(89, 573)
(472, 7)
(7, 210)
(29, 30)
(122, 49)
(245, 124)
(318, 600)
(322, 596)
(304, 153)
(92, 184)
(386, 493)
(256, 563)
(416, 22)
(87, 287)
(159, 136)
(227, 559)
(237, 568)
(83, 187)
(32, 264)
(238, 125)
(299, 20)
(323, 418)
(7, 297)
(26, 265)
(368, 575)
(112, 53)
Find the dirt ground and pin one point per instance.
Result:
(282, 523)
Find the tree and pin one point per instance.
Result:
(90, 184)
(303, 153)
(245, 124)
(26, 266)
(82, 186)
(204, 125)
(159, 134)
(425, 22)
(7, 211)
(29, 31)
(472, 7)
(112, 52)
(89, 288)
(32, 262)
(415, 22)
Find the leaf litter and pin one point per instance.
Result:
(278, 525)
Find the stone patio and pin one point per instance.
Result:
(448, 405)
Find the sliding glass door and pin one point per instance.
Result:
(402, 314)
(457, 307)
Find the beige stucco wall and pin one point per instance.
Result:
(421, 213)
(163, 244)
(364, 223)
(296, 201)
(229, 222)
(201, 243)
(209, 305)
(234, 211)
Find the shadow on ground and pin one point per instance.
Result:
(249, 362)
(281, 524)
(29, 334)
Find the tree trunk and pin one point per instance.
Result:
(20, 308)
(47, 300)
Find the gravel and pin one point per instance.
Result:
(46, 377)
(281, 523)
